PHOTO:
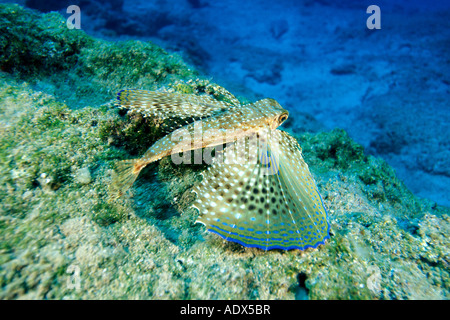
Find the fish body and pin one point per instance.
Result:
(259, 191)
(219, 129)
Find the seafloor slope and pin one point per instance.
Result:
(61, 237)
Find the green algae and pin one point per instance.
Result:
(335, 150)
(33, 44)
(56, 216)
(75, 67)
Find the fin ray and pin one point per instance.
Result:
(181, 109)
(259, 203)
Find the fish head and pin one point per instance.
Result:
(278, 119)
(274, 112)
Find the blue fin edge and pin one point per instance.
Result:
(278, 246)
(273, 247)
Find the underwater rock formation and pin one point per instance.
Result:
(61, 237)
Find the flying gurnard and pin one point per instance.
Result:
(257, 190)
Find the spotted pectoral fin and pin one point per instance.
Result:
(181, 109)
(300, 191)
(252, 201)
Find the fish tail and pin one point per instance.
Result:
(124, 174)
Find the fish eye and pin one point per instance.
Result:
(282, 118)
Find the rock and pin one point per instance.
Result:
(83, 176)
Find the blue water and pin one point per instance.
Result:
(388, 87)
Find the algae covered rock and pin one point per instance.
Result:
(62, 237)
(31, 43)
(75, 67)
